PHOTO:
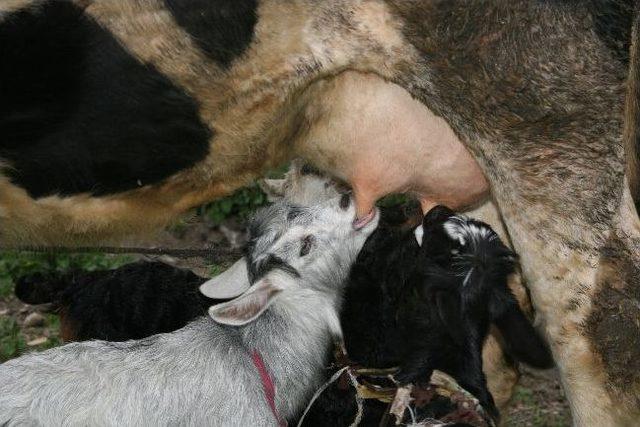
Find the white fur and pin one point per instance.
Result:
(419, 233)
(459, 228)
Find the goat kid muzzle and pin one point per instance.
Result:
(360, 223)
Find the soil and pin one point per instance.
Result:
(538, 401)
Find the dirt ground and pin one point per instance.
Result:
(538, 400)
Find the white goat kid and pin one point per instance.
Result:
(206, 373)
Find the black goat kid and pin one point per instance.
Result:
(131, 302)
(424, 299)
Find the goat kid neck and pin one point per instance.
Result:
(304, 314)
(292, 337)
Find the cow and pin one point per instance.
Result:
(117, 116)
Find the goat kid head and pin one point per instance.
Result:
(292, 249)
(463, 245)
(302, 185)
(468, 255)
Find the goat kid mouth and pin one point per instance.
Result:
(360, 223)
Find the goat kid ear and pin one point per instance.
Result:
(437, 214)
(295, 167)
(273, 188)
(247, 307)
(522, 340)
(229, 284)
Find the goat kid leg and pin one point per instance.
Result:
(416, 370)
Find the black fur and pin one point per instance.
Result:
(308, 169)
(223, 29)
(406, 306)
(272, 262)
(131, 302)
(79, 114)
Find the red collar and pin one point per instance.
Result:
(268, 386)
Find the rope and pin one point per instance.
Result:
(334, 377)
(317, 394)
(212, 254)
(359, 400)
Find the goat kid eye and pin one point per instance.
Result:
(307, 243)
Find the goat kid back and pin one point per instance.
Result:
(130, 302)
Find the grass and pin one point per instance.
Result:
(216, 269)
(53, 323)
(14, 264)
(13, 340)
(240, 204)
(530, 408)
(6, 286)
(393, 200)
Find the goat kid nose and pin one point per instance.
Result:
(345, 201)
